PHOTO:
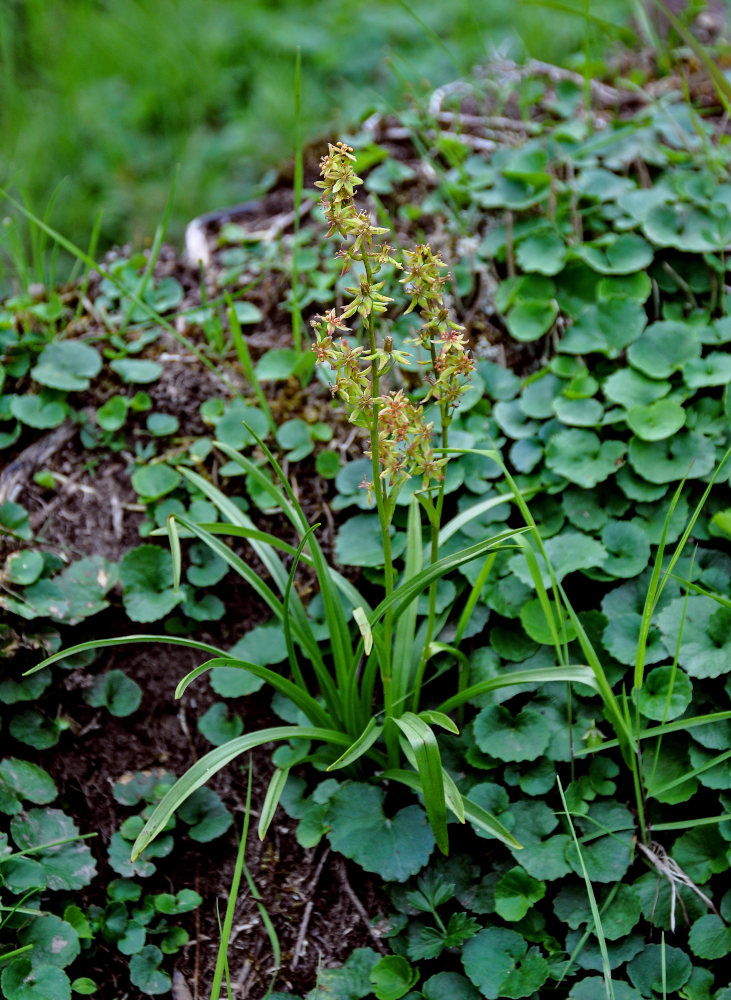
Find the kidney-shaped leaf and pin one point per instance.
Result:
(657, 420)
(663, 348)
(67, 364)
(498, 962)
(393, 848)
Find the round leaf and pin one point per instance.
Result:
(145, 972)
(627, 547)
(24, 567)
(498, 962)
(55, 942)
(394, 848)
(161, 424)
(507, 737)
(20, 981)
(359, 542)
(656, 421)
(663, 348)
(154, 481)
(582, 458)
(516, 892)
(688, 454)
(218, 726)
(134, 370)
(115, 691)
(646, 970)
(665, 694)
(27, 781)
(112, 415)
(631, 388)
(67, 364)
(146, 574)
(35, 411)
(710, 937)
(531, 318)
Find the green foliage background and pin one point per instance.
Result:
(102, 98)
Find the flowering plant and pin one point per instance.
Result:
(361, 693)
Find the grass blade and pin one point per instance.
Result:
(212, 762)
(271, 799)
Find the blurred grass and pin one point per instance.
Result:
(101, 98)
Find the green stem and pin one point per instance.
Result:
(385, 522)
(435, 523)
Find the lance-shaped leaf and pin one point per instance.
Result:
(423, 742)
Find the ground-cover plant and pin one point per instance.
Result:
(335, 691)
(610, 578)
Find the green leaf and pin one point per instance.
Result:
(84, 585)
(500, 965)
(663, 348)
(206, 815)
(701, 853)
(579, 412)
(646, 969)
(619, 919)
(20, 981)
(84, 986)
(582, 458)
(451, 985)
(616, 254)
(394, 848)
(542, 251)
(277, 365)
(686, 455)
(218, 726)
(154, 481)
(426, 759)
(35, 729)
(26, 781)
(350, 982)
(710, 937)
(516, 892)
(185, 901)
(705, 643)
(24, 567)
(39, 411)
(657, 420)
(630, 388)
(146, 574)
(14, 518)
(162, 424)
(116, 692)
(628, 551)
(359, 542)
(607, 856)
(507, 737)
(294, 437)
(530, 319)
(136, 371)
(145, 972)
(55, 942)
(67, 364)
(68, 866)
(666, 694)
(607, 328)
(568, 552)
(714, 369)
(392, 977)
(328, 464)
(247, 313)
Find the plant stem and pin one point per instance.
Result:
(385, 523)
